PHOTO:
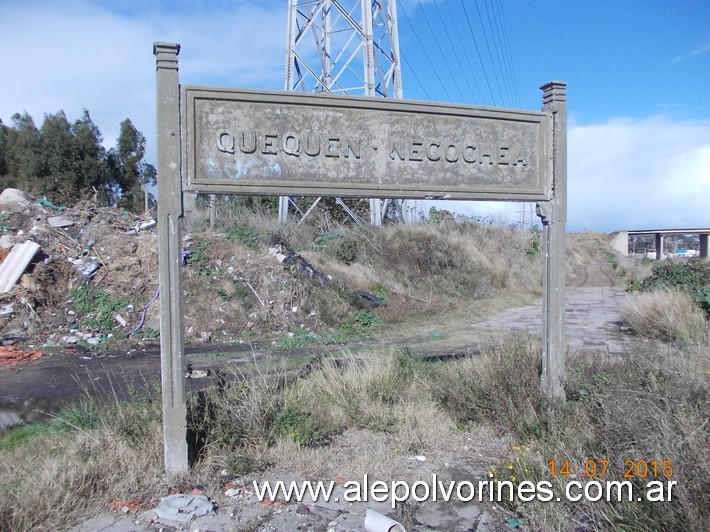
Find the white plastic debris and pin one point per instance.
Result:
(182, 508)
(376, 522)
(121, 320)
(15, 264)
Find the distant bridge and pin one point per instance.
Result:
(621, 240)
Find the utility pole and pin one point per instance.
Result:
(345, 47)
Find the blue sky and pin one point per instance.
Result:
(638, 75)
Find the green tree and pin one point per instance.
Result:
(4, 133)
(22, 152)
(134, 175)
(91, 164)
(55, 177)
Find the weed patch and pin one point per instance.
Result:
(21, 435)
(245, 235)
(97, 309)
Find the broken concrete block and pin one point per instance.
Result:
(59, 221)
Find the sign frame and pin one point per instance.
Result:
(177, 191)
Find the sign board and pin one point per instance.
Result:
(285, 143)
(227, 141)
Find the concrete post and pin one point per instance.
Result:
(704, 246)
(659, 246)
(283, 209)
(375, 212)
(554, 219)
(170, 210)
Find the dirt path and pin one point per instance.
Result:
(594, 302)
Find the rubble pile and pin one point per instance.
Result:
(87, 276)
(49, 252)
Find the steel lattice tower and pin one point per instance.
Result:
(344, 47)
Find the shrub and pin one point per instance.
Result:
(692, 276)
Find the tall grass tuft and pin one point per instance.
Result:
(668, 314)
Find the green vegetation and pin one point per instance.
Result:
(691, 276)
(248, 236)
(97, 309)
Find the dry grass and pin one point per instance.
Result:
(369, 412)
(67, 471)
(425, 273)
(667, 314)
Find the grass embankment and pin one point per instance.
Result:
(237, 290)
(369, 412)
(652, 406)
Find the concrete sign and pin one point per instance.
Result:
(285, 143)
(224, 141)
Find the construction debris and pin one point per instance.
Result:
(11, 355)
(59, 222)
(181, 508)
(15, 264)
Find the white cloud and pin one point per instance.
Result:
(76, 55)
(627, 174)
(695, 52)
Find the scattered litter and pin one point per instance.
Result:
(300, 266)
(181, 508)
(196, 374)
(376, 522)
(12, 340)
(87, 248)
(7, 309)
(16, 263)
(121, 320)
(47, 203)
(367, 300)
(87, 268)
(13, 356)
(418, 458)
(131, 506)
(59, 221)
(141, 226)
